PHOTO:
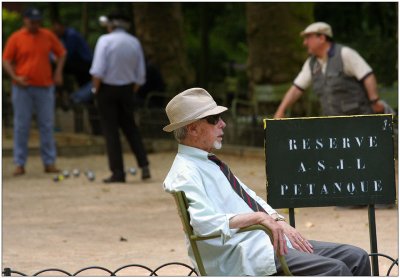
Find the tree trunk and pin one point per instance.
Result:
(85, 21)
(54, 11)
(159, 27)
(276, 53)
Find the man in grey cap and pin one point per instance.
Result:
(220, 204)
(344, 83)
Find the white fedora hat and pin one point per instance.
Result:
(189, 106)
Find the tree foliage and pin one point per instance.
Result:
(214, 34)
(11, 21)
(371, 28)
(162, 51)
(276, 53)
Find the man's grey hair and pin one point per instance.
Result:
(180, 133)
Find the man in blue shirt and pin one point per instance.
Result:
(77, 64)
(79, 56)
(118, 70)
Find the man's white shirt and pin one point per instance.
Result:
(212, 202)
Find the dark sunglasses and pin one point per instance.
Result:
(213, 119)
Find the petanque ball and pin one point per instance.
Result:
(132, 171)
(58, 178)
(66, 173)
(90, 175)
(76, 172)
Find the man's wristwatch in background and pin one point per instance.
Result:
(374, 100)
(93, 90)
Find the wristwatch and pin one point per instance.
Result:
(93, 90)
(279, 218)
(374, 101)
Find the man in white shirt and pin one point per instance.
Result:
(118, 70)
(216, 208)
(344, 83)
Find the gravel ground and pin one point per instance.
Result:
(75, 223)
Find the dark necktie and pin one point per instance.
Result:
(236, 185)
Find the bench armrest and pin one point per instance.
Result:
(250, 228)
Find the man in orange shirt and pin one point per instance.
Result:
(26, 58)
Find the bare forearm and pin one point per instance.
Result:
(246, 219)
(371, 87)
(96, 82)
(60, 65)
(9, 69)
(292, 95)
(373, 96)
(58, 72)
(20, 80)
(136, 88)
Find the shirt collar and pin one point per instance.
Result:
(24, 29)
(199, 153)
(331, 50)
(118, 30)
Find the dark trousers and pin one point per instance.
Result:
(328, 259)
(116, 111)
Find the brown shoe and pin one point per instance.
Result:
(51, 169)
(19, 171)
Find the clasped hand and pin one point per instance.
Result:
(279, 229)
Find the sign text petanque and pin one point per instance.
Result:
(330, 161)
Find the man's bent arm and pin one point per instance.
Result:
(248, 219)
(96, 83)
(58, 72)
(372, 91)
(20, 80)
(291, 96)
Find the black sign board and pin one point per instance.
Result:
(345, 160)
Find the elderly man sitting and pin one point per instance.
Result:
(219, 203)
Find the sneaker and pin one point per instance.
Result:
(146, 173)
(19, 171)
(51, 169)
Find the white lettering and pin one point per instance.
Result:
(332, 143)
(297, 189)
(359, 140)
(377, 185)
(338, 186)
(346, 143)
(311, 186)
(302, 168)
(306, 144)
(351, 188)
(364, 186)
(319, 143)
(324, 190)
(341, 165)
(360, 165)
(373, 141)
(321, 165)
(292, 144)
(284, 189)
